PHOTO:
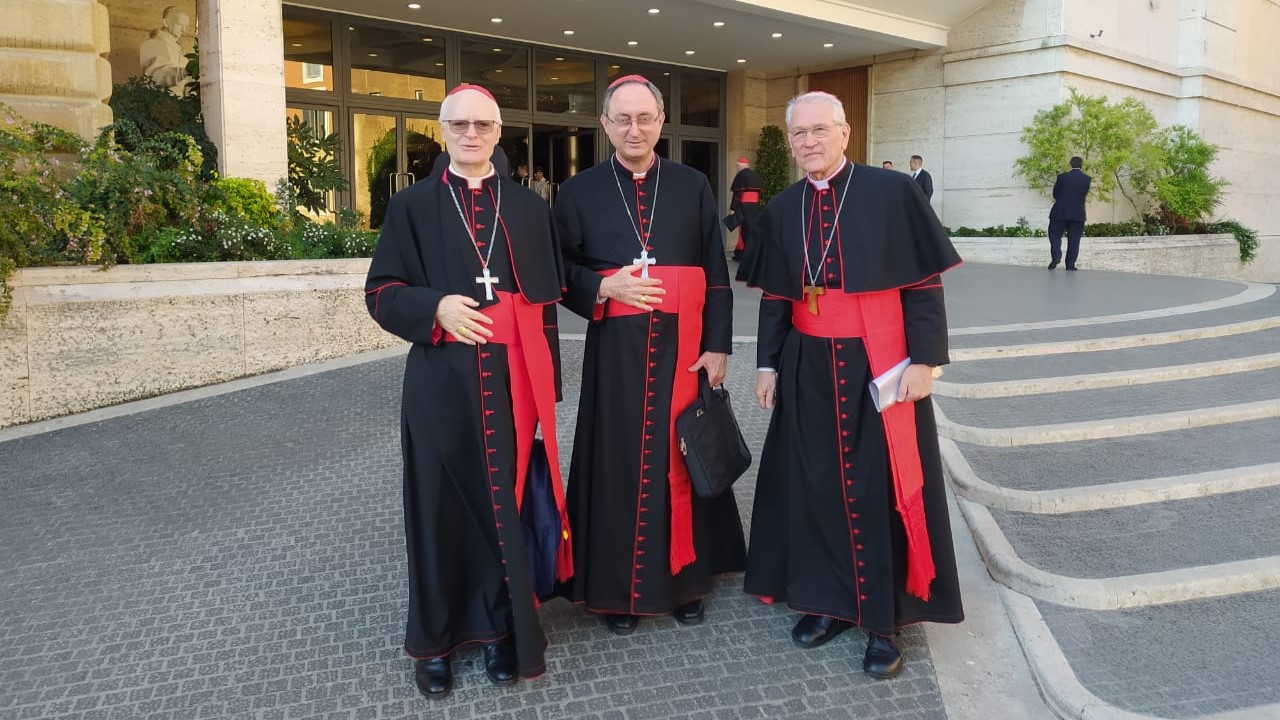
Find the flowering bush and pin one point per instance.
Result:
(130, 198)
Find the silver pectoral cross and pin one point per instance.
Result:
(488, 281)
(645, 261)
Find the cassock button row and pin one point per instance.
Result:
(858, 546)
(862, 597)
(862, 563)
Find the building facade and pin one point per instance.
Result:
(954, 81)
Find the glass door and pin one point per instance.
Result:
(390, 151)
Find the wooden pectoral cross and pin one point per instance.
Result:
(488, 281)
(811, 294)
(645, 261)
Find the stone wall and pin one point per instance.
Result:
(52, 62)
(81, 338)
(1209, 256)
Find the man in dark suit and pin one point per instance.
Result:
(922, 176)
(1069, 193)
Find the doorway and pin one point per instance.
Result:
(389, 152)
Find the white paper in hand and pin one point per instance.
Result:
(884, 389)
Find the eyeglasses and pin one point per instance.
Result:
(643, 121)
(460, 127)
(819, 132)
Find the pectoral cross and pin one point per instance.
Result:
(812, 292)
(645, 261)
(488, 281)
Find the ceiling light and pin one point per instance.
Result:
(373, 54)
(613, 67)
(632, 43)
(688, 52)
(568, 32)
(498, 70)
(495, 20)
(554, 78)
(497, 49)
(654, 11)
(666, 74)
(559, 59)
(776, 35)
(439, 64)
(295, 44)
(427, 39)
(718, 23)
(742, 60)
(415, 6)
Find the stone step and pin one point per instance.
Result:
(1097, 495)
(1067, 367)
(1110, 592)
(982, 296)
(1113, 403)
(1126, 459)
(1173, 328)
(1197, 659)
(1172, 535)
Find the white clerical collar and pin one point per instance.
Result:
(473, 183)
(826, 183)
(637, 175)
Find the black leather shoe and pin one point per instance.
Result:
(1053, 264)
(690, 613)
(883, 659)
(621, 624)
(500, 663)
(434, 677)
(815, 630)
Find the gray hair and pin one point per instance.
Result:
(608, 94)
(837, 107)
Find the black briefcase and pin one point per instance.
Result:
(711, 442)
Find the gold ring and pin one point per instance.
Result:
(461, 330)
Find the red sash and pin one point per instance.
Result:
(518, 324)
(750, 196)
(876, 317)
(686, 288)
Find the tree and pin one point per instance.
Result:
(314, 168)
(1117, 142)
(1162, 173)
(773, 161)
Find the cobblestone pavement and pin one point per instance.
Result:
(241, 556)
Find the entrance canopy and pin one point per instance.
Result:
(759, 35)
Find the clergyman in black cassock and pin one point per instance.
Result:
(644, 544)
(850, 522)
(468, 269)
(744, 208)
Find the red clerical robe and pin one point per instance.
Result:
(468, 414)
(645, 544)
(850, 516)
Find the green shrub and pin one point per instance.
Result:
(773, 162)
(39, 223)
(1021, 229)
(244, 199)
(1247, 239)
(314, 168)
(133, 193)
(146, 110)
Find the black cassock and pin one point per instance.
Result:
(468, 574)
(620, 502)
(825, 535)
(744, 209)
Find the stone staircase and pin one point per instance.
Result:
(1121, 476)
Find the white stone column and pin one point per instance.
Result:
(242, 86)
(52, 64)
